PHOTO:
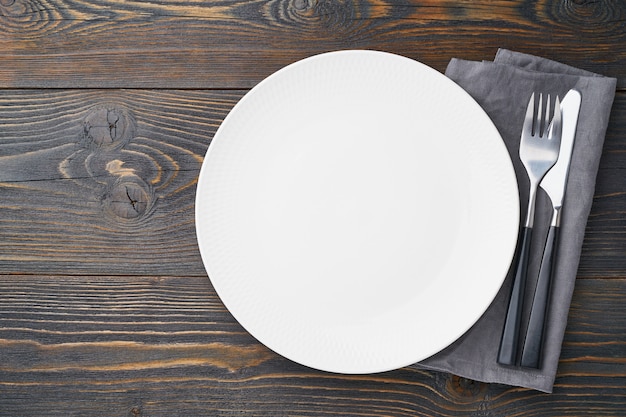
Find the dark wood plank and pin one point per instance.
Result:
(604, 248)
(103, 181)
(234, 44)
(106, 345)
(105, 307)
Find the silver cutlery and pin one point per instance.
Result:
(554, 185)
(539, 150)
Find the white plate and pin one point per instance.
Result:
(357, 211)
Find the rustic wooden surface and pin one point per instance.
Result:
(106, 110)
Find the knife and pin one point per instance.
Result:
(554, 185)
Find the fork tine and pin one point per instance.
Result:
(539, 117)
(546, 119)
(555, 125)
(530, 115)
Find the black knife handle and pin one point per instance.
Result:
(507, 354)
(533, 343)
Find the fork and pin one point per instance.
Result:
(539, 149)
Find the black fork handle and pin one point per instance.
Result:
(533, 343)
(508, 352)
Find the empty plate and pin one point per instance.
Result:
(357, 211)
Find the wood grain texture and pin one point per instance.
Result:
(604, 248)
(110, 345)
(105, 307)
(103, 182)
(235, 44)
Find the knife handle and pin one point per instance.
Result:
(507, 355)
(533, 343)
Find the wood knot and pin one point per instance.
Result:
(590, 16)
(586, 7)
(129, 198)
(301, 4)
(135, 412)
(24, 18)
(321, 16)
(108, 127)
(335, 12)
(464, 388)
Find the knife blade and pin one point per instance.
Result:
(554, 184)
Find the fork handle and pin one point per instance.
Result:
(507, 354)
(533, 344)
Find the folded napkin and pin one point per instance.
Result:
(502, 88)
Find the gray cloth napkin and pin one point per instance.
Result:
(502, 88)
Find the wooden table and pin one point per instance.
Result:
(106, 111)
